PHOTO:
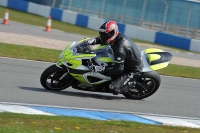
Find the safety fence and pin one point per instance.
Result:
(173, 29)
(180, 17)
(152, 25)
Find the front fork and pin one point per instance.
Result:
(60, 65)
(64, 75)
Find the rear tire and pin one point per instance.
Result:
(50, 79)
(150, 81)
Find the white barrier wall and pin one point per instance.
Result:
(140, 33)
(69, 17)
(95, 23)
(3, 2)
(44, 10)
(33, 8)
(39, 9)
(146, 34)
(195, 45)
(131, 31)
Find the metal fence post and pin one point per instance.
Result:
(53, 3)
(102, 8)
(86, 5)
(122, 11)
(69, 5)
(165, 14)
(63, 5)
(143, 12)
(188, 19)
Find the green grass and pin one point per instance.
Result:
(27, 52)
(181, 71)
(19, 123)
(50, 55)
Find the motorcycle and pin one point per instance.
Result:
(73, 69)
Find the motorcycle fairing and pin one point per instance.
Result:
(105, 59)
(79, 77)
(71, 58)
(157, 58)
(91, 78)
(104, 55)
(95, 78)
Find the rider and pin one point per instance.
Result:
(127, 56)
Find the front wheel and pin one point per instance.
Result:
(55, 78)
(147, 84)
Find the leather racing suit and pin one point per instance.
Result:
(127, 60)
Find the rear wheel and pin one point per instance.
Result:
(146, 85)
(55, 78)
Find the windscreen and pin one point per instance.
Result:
(82, 47)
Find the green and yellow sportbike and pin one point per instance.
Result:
(72, 70)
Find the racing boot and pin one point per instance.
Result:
(117, 86)
(115, 90)
(121, 85)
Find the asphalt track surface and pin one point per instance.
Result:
(19, 83)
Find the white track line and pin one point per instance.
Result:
(172, 121)
(21, 109)
(125, 112)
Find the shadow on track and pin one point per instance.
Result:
(83, 94)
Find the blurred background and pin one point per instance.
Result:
(180, 17)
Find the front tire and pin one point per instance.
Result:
(50, 78)
(150, 81)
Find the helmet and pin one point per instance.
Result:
(108, 32)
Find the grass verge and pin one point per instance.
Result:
(19, 123)
(30, 53)
(50, 55)
(181, 71)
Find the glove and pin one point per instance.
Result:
(92, 41)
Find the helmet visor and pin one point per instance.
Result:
(105, 36)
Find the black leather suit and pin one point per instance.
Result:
(127, 59)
